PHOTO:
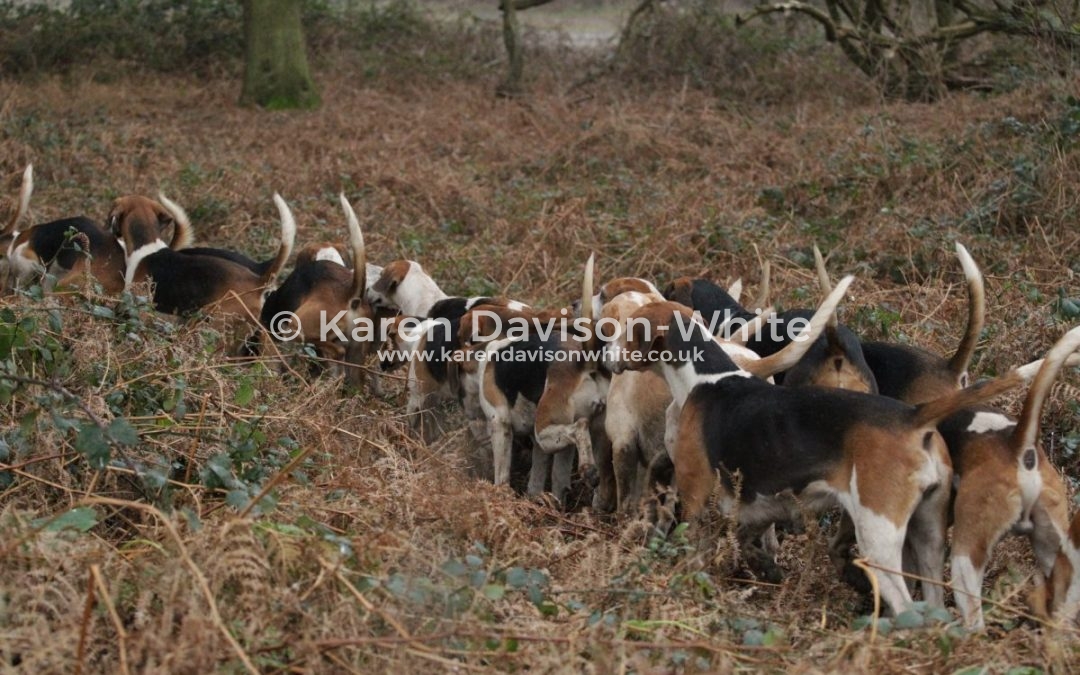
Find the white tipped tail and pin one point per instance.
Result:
(588, 310)
(288, 236)
(800, 344)
(976, 312)
(26, 189)
(359, 252)
(587, 289)
(183, 233)
(823, 280)
(735, 289)
(1060, 355)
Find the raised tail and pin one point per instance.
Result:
(183, 233)
(1059, 356)
(930, 413)
(288, 236)
(823, 280)
(762, 297)
(976, 312)
(832, 337)
(25, 190)
(801, 343)
(587, 309)
(735, 289)
(359, 254)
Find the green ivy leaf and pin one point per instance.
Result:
(909, 619)
(244, 393)
(494, 592)
(237, 498)
(81, 519)
(516, 577)
(102, 312)
(92, 444)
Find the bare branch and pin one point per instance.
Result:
(520, 5)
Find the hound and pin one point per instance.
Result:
(641, 415)
(185, 283)
(404, 285)
(327, 300)
(915, 375)
(66, 250)
(835, 359)
(882, 460)
(1006, 483)
(427, 345)
(546, 385)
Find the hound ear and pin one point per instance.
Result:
(112, 223)
(681, 291)
(164, 219)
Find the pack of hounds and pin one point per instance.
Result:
(760, 424)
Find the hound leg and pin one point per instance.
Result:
(561, 470)
(840, 555)
(882, 542)
(496, 410)
(662, 503)
(605, 495)
(1050, 518)
(926, 542)
(984, 512)
(671, 427)
(625, 459)
(539, 471)
(356, 354)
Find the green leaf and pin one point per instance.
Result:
(536, 596)
(494, 592)
(939, 615)
(516, 577)
(81, 519)
(103, 312)
(753, 638)
(548, 608)
(92, 444)
(192, 518)
(454, 568)
(237, 498)
(244, 393)
(121, 431)
(909, 619)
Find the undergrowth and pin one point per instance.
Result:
(164, 508)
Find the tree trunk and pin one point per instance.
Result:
(511, 86)
(276, 74)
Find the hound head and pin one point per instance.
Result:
(388, 286)
(331, 252)
(681, 291)
(138, 221)
(645, 340)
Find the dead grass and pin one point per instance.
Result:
(349, 571)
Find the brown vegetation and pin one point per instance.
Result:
(378, 554)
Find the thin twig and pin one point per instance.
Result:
(118, 625)
(84, 627)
